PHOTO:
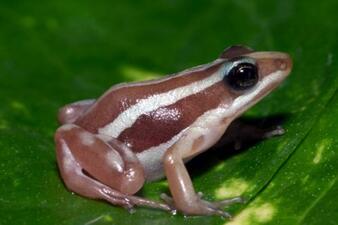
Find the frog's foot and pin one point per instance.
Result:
(229, 201)
(149, 203)
(100, 169)
(70, 112)
(203, 207)
(130, 201)
(276, 131)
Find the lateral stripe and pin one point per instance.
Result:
(127, 118)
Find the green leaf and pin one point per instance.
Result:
(56, 52)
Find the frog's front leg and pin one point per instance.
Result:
(100, 169)
(184, 197)
(70, 112)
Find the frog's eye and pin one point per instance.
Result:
(242, 76)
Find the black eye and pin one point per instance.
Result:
(243, 76)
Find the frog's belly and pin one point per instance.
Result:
(151, 161)
(152, 158)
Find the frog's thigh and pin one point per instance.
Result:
(70, 112)
(97, 169)
(82, 156)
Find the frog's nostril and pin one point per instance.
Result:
(283, 63)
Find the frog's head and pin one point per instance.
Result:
(251, 75)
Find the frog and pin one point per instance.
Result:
(138, 132)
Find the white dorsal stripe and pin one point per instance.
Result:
(128, 117)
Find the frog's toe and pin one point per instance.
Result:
(229, 201)
(223, 202)
(135, 200)
(276, 131)
(203, 207)
(169, 201)
(216, 207)
(210, 208)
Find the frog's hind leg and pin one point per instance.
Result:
(70, 112)
(99, 169)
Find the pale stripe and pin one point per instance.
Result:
(128, 117)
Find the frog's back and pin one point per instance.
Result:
(148, 114)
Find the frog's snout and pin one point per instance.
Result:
(270, 62)
(283, 62)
